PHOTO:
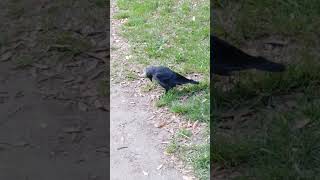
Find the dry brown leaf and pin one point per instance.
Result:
(6, 56)
(195, 125)
(40, 66)
(160, 166)
(145, 173)
(160, 124)
(72, 130)
(301, 123)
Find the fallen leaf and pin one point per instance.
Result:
(40, 66)
(6, 56)
(195, 125)
(72, 130)
(301, 123)
(21, 144)
(160, 124)
(128, 57)
(187, 178)
(123, 147)
(189, 124)
(159, 167)
(70, 79)
(145, 173)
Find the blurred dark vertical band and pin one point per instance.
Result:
(54, 89)
(108, 39)
(211, 90)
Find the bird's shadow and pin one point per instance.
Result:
(226, 59)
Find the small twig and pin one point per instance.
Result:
(123, 147)
(15, 145)
(94, 56)
(184, 135)
(96, 33)
(97, 74)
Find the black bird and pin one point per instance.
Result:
(166, 77)
(227, 58)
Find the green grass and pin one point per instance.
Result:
(149, 87)
(280, 137)
(184, 133)
(191, 101)
(101, 3)
(103, 88)
(172, 147)
(297, 19)
(173, 34)
(197, 155)
(283, 145)
(166, 33)
(24, 61)
(131, 75)
(65, 43)
(16, 9)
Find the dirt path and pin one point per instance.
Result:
(136, 144)
(135, 151)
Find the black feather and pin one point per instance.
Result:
(167, 78)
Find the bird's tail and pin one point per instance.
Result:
(265, 65)
(184, 80)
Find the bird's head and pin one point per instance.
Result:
(148, 72)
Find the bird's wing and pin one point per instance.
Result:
(163, 77)
(179, 76)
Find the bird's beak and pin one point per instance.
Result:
(143, 75)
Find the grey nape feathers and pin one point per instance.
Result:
(167, 78)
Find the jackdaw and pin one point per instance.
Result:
(166, 77)
(227, 58)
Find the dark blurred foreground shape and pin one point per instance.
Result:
(227, 58)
